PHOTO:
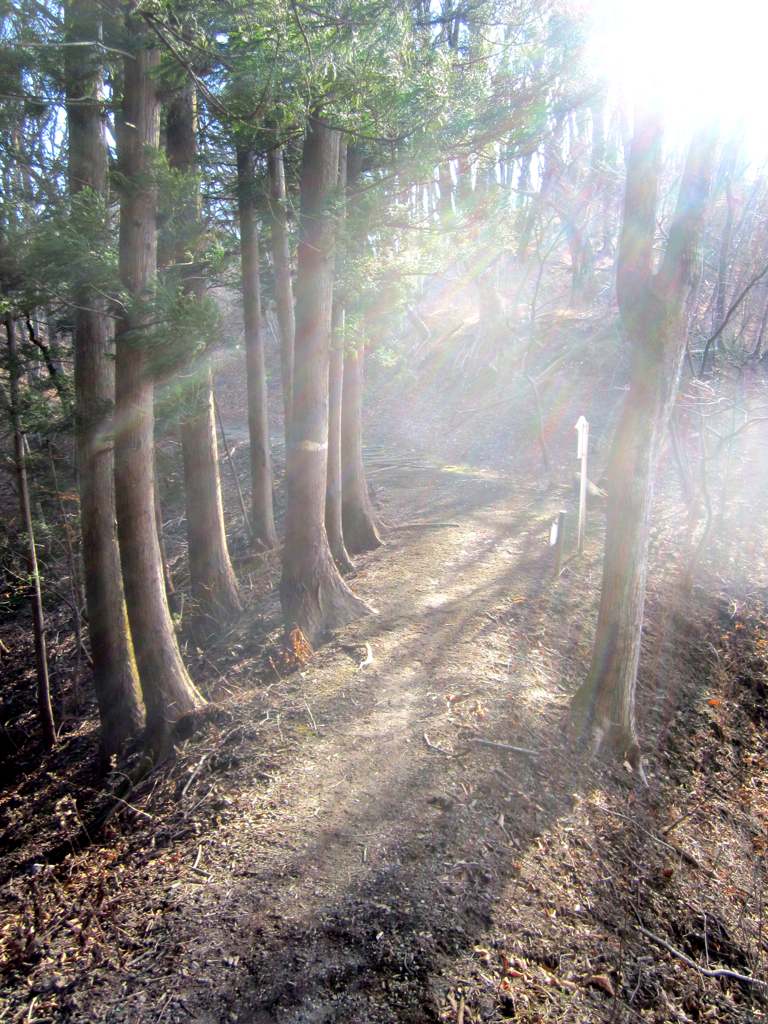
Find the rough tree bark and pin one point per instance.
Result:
(262, 513)
(212, 579)
(115, 677)
(361, 527)
(654, 310)
(333, 523)
(44, 710)
(167, 689)
(314, 597)
(281, 262)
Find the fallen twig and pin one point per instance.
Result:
(143, 814)
(194, 775)
(719, 973)
(505, 746)
(688, 814)
(687, 857)
(275, 668)
(309, 712)
(433, 746)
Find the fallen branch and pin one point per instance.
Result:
(505, 746)
(719, 973)
(424, 526)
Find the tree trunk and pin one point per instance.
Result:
(361, 527)
(212, 579)
(281, 261)
(445, 203)
(333, 525)
(313, 595)
(115, 677)
(213, 583)
(43, 690)
(333, 493)
(167, 689)
(170, 590)
(654, 311)
(262, 514)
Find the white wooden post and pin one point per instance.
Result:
(581, 453)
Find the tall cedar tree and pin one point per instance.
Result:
(167, 689)
(333, 526)
(115, 677)
(655, 310)
(281, 261)
(212, 579)
(360, 524)
(262, 513)
(314, 597)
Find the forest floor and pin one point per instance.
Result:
(340, 843)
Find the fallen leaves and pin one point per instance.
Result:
(603, 982)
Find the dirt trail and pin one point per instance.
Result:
(358, 818)
(360, 857)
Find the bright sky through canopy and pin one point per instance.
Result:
(702, 58)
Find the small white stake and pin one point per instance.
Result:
(581, 453)
(556, 538)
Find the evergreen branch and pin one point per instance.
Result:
(383, 139)
(213, 100)
(295, 10)
(85, 42)
(46, 13)
(204, 51)
(333, 19)
(68, 303)
(48, 101)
